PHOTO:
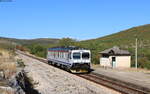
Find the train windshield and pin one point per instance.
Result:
(85, 55)
(76, 56)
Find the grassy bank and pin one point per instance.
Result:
(7, 63)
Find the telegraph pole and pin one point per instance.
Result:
(136, 53)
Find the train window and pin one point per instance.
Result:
(85, 55)
(76, 56)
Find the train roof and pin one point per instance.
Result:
(66, 48)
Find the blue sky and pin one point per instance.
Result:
(79, 19)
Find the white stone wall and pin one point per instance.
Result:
(121, 61)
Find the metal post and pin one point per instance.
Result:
(136, 53)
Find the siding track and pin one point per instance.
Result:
(118, 86)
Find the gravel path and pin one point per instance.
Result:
(51, 80)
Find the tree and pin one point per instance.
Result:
(67, 42)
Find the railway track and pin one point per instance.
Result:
(122, 87)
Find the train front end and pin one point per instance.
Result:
(81, 60)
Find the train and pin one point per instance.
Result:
(73, 59)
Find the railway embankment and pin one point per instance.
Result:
(51, 80)
(13, 78)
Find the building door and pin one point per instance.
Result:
(113, 62)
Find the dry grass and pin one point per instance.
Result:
(7, 63)
(7, 69)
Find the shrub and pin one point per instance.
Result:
(20, 63)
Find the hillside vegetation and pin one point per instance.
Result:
(35, 46)
(124, 39)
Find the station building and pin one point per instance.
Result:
(115, 58)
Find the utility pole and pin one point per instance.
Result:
(136, 53)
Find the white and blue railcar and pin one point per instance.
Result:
(72, 58)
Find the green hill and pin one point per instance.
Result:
(125, 40)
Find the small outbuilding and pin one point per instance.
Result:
(115, 58)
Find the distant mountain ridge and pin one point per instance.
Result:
(31, 41)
